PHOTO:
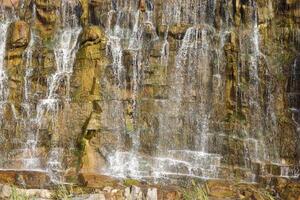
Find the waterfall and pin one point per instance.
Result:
(64, 51)
(254, 64)
(254, 103)
(165, 50)
(188, 93)
(30, 156)
(117, 54)
(193, 53)
(3, 77)
(123, 38)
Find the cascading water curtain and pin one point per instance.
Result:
(189, 92)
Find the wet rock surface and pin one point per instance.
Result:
(162, 92)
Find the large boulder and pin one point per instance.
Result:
(19, 34)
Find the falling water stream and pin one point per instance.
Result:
(3, 77)
(194, 70)
(64, 51)
(193, 55)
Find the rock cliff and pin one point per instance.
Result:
(158, 93)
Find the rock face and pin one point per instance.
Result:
(159, 91)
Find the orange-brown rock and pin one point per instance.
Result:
(221, 189)
(19, 33)
(28, 179)
(95, 180)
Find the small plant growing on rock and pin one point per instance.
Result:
(62, 193)
(267, 195)
(196, 192)
(16, 195)
(130, 182)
